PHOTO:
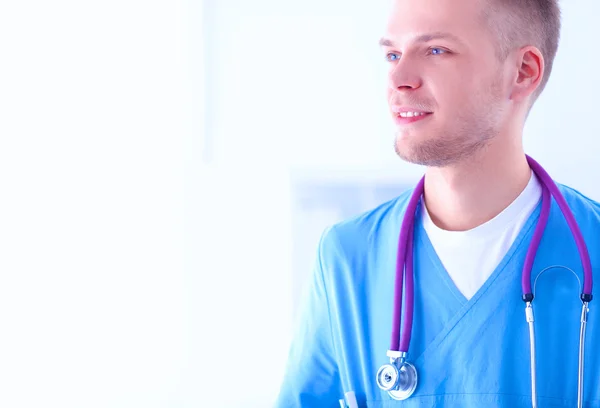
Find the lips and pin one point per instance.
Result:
(405, 118)
(411, 114)
(405, 114)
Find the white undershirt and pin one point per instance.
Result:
(471, 256)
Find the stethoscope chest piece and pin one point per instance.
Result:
(399, 381)
(387, 377)
(407, 382)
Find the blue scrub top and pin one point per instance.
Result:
(468, 353)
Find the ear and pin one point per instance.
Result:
(530, 71)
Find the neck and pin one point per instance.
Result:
(463, 196)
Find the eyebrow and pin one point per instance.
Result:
(384, 42)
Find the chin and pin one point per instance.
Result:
(408, 153)
(425, 152)
(408, 145)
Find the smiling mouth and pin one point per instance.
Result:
(406, 118)
(412, 114)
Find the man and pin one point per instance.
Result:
(463, 76)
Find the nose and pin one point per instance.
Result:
(404, 76)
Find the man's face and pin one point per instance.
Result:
(443, 65)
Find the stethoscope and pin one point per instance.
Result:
(399, 377)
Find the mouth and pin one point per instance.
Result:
(407, 117)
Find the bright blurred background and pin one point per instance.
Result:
(166, 169)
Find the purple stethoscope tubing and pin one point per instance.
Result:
(404, 258)
(584, 255)
(405, 240)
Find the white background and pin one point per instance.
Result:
(163, 176)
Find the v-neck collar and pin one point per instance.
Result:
(445, 276)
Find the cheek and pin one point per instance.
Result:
(450, 96)
(389, 92)
(456, 90)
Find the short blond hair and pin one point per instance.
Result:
(518, 23)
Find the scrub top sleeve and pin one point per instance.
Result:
(311, 378)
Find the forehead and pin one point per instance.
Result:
(411, 18)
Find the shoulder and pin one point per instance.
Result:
(352, 238)
(587, 215)
(585, 209)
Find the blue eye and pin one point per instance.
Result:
(391, 56)
(437, 51)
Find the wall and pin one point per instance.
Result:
(95, 109)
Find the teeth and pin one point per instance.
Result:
(411, 114)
